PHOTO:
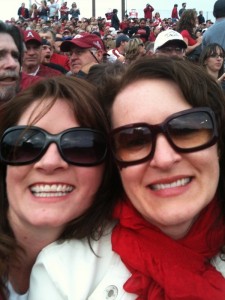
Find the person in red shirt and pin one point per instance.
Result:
(154, 32)
(124, 24)
(142, 31)
(174, 14)
(32, 56)
(56, 58)
(148, 11)
(64, 11)
(23, 12)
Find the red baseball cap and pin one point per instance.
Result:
(31, 35)
(84, 40)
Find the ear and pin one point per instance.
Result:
(99, 55)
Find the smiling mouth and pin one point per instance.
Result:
(177, 183)
(53, 190)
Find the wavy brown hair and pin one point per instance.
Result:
(83, 99)
(187, 22)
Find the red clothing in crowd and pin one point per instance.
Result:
(45, 71)
(60, 59)
(148, 12)
(27, 80)
(186, 35)
(174, 14)
(152, 37)
(123, 25)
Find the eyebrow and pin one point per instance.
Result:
(14, 53)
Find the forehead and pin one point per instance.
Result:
(47, 35)
(7, 42)
(139, 102)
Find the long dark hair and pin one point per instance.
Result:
(198, 88)
(82, 97)
(187, 22)
(212, 49)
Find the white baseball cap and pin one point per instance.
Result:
(166, 36)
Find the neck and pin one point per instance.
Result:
(121, 49)
(31, 240)
(30, 69)
(214, 74)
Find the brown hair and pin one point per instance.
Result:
(82, 97)
(198, 88)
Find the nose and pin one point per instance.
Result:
(51, 161)
(10, 62)
(73, 55)
(164, 156)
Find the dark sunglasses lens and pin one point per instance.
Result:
(131, 144)
(21, 146)
(83, 147)
(191, 130)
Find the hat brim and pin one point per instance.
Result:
(179, 42)
(34, 41)
(66, 45)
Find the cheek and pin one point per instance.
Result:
(132, 176)
(15, 181)
(90, 178)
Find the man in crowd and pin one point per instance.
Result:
(216, 33)
(46, 53)
(201, 18)
(170, 43)
(23, 12)
(85, 50)
(32, 56)
(148, 11)
(182, 9)
(12, 80)
(11, 51)
(118, 52)
(56, 58)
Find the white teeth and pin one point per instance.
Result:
(161, 186)
(53, 190)
(48, 195)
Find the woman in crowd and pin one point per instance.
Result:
(34, 13)
(134, 49)
(168, 138)
(56, 184)
(168, 141)
(74, 11)
(187, 26)
(212, 59)
(142, 31)
(43, 10)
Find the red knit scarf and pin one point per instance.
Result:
(167, 269)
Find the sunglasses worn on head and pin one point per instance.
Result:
(22, 145)
(186, 131)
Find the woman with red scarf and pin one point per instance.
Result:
(168, 136)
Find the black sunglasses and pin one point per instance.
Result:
(186, 131)
(22, 145)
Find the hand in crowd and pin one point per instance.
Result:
(222, 78)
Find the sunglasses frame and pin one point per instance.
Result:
(162, 128)
(49, 139)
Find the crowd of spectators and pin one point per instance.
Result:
(123, 40)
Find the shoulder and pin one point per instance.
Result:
(27, 80)
(46, 71)
(77, 272)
